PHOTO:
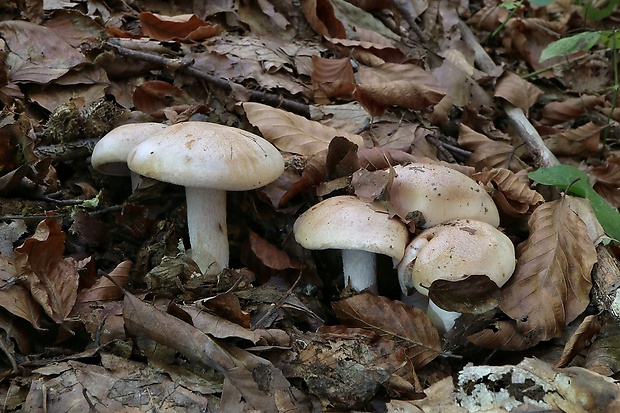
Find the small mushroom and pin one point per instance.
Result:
(208, 159)
(428, 194)
(110, 153)
(452, 251)
(351, 225)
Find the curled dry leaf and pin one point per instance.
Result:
(607, 180)
(589, 327)
(104, 289)
(569, 109)
(551, 283)
(517, 91)
(15, 298)
(581, 141)
(395, 320)
(322, 18)
(186, 27)
(51, 279)
(487, 152)
(512, 194)
(377, 97)
(603, 355)
(332, 78)
(293, 133)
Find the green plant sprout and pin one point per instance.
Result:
(576, 182)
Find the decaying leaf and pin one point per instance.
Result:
(503, 335)
(551, 283)
(293, 133)
(51, 279)
(589, 327)
(393, 319)
(511, 192)
(603, 354)
(487, 152)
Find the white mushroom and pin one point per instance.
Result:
(351, 225)
(427, 195)
(208, 159)
(452, 251)
(110, 153)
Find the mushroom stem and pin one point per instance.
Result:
(444, 320)
(208, 235)
(136, 179)
(359, 269)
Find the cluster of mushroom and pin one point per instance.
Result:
(459, 238)
(207, 159)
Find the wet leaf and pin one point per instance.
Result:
(293, 133)
(394, 320)
(551, 283)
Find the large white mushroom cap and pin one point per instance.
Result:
(454, 250)
(440, 194)
(208, 155)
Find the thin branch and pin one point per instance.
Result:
(185, 66)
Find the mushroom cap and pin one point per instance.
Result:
(207, 155)
(440, 194)
(348, 223)
(456, 249)
(110, 153)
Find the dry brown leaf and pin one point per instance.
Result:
(332, 78)
(569, 109)
(154, 96)
(517, 91)
(551, 283)
(474, 294)
(187, 27)
(581, 141)
(589, 327)
(607, 180)
(321, 17)
(256, 379)
(265, 259)
(604, 354)
(395, 320)
(502, 335)
(376, 98)
(104, 289)
(15, 298)
(345, 367)
(511, 193)
(367, 53)
(487, 152)
(293, 133)
(51, 279)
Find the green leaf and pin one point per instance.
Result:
(592, 13)
(541, 3)
(569, 45)
(577, 182)
(611, 38)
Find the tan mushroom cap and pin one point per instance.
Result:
(348, 223)
(110, 153)
(456, 249)
(208, 155)
(440, 194)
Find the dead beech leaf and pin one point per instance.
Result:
(345, 367)
(580, 141)
(487, 152)
(569, 109)
(475, 294)
(322, 18)
(332, 78)
(313, 174)
(376, 98)
(589, 327)
(256, 379)
(551, 283)
(293, 133)
(518, 92)
(154, 96)
(603, 355)
(607, 180)
(266, 258)
(502, 335)
(181, 27)
(15, 298)
(51, 279)
(104, 289)
(395, 320)
(512, 194)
